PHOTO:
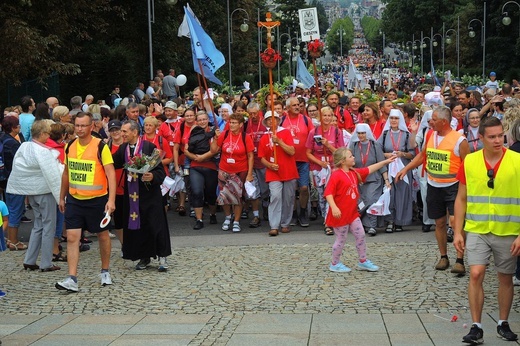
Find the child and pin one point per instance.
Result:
(342, 195)
(3, 215)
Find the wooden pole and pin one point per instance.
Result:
(207, 93)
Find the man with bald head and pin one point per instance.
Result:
(88, 101)
(52, 102)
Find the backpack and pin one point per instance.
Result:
(101, 145)
(199, 140)
(243, 137)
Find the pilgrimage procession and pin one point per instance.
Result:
(220, 185)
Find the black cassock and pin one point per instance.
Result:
(152, 239)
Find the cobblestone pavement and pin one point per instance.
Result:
(228, 282)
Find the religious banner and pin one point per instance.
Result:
(309, 26)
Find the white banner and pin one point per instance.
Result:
(309, 26)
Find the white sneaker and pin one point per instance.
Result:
(225, 225)
(106, 279)
(67, 285)
(163, 264)
(111, 235)
(516, 282)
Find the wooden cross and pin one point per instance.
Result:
(134, 216)
(134, 196)
(269, 25)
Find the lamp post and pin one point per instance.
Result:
(448, 41)
(151, 20)
(341, 32)
(482, 40)
(288, 34)
(423, 45)
(382, 58)
(410, 57)
(243, 27)
(506, 20)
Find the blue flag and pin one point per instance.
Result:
(434, 77)
(303, 75)
(203, 50)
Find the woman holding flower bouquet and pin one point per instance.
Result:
(146, 232)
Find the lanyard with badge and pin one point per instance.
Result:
(231, 148)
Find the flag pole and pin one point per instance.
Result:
(315, 55)
(207, 93)
(269, 25)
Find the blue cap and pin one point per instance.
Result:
(492, 74)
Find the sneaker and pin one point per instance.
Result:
(339, 268)
(443, 264)
(236, 227)
(192, 213)
(83, 247)
(475, 336)
(212, 219)
(426, 228)
(225, 225)
(294, 219)
(368, 266)
(516, 281)
(25, 219)
(244, 215)
(106, 279)
(458, 268)
(255, 222)
(198, 224)
(2, 294)
(303, 219)
(67, 285)
(505, 332)
(111, 235)
(449, 235)
(163, 264)
(142, 264)
(372, 231)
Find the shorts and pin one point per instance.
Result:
(16, 206)
(479, 248)
(85, 214)
(440, 199)
(303, 172)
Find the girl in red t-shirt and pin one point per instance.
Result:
(342, 195)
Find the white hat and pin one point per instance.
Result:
(300, 85)
(171, 104)
(269, 114)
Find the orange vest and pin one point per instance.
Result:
(87, 177)
(441, 162)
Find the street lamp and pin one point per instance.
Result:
(423, 45)
(506, 20)
(482, 40)
(151, 20)
(341, 32)
(288, 34)
(382, 58)
(243, 27)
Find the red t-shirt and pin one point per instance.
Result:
(167, 130)
(233, 155)
(287, 163)
(120, 189)
(299, 130)
(377, 128)
(343, 186)
(256, 131)
(461, 174)
(182, 141)
(345, 121)
(333, 135)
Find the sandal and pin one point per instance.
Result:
(18, 246)
(59, 257)
(181, 210)
(328, 230)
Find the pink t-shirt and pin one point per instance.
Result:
(333, 135)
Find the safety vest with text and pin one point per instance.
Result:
(442, 164)
(87, 177)
(493, 210)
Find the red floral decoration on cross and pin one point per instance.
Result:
(315, 48)
(270, 57)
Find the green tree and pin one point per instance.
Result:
(334, 38)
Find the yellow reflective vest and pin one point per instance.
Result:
(496, 210)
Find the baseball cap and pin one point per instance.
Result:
(492, 74)
(114, 124)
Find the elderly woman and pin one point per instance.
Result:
(396, 140)
(61, 114)
(367, 152)
(236, 166)
(470, 129)
(151, 124)
(203, 170)
(321, 144)
(224, 112)
(37, 174)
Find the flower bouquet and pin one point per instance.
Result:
(270, 57)
(141, 164)
(315, 48)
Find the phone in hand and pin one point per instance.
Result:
(318, 139)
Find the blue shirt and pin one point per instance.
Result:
(26, 121)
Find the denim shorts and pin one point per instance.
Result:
(303, 171)
(16, 207)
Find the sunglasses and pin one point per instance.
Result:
(491, 182)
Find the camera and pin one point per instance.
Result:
(318, 139)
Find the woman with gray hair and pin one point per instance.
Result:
(37, 174)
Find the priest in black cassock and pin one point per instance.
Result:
(145, 233)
